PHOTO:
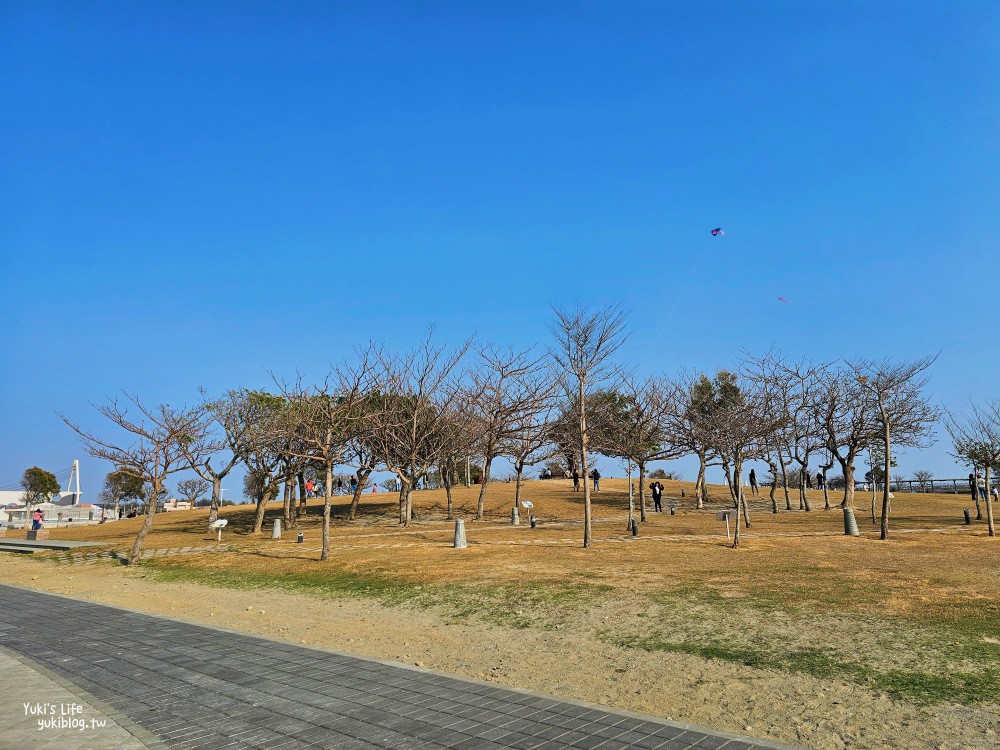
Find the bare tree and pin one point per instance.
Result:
(409, 429)
(585, 342)
(902, 414)
(923, 478)
(737, 427)
(232, 415)
(167, 440)
(192, 490)
(797, 386)
(324, 419)
(531, 444)
(262, 449)
(633, 424)
(976, 438)
(506, 388)
(847, 423)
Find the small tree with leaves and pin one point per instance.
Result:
(120, 486)
(39, 486)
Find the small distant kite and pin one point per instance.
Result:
(717, 232)
(785, 300)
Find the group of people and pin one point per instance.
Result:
(595, 475)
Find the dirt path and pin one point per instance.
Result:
(570, 661)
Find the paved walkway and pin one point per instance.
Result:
(171, 685)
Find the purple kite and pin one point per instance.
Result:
(717, 231)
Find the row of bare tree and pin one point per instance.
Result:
(431, 409)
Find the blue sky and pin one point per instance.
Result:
(194, 194)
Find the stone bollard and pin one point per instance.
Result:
(534, 521)
(515, 516)
(302, 538)
(968, 517)
(460, 541)
(850, 523)
(673, 510)
(635, 527)
(276, 529)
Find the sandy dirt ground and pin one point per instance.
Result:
(569, 660)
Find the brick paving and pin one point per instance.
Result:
(186, 687)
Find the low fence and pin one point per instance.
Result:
(946, 486)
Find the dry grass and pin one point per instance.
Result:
(931, 562)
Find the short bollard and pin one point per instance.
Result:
(534, 521)
(850, 523)
(635, 527)
(301, 538)
(673, 510)
(515, 516)
(460, 542)
(276, 529)
(968, 516)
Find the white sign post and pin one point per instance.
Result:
(725, 515)
(219, 525)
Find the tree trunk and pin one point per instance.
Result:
(642, 490)
(409, 504)
(975, 493)
(481, 505)
(989, 504)
(519, 470)
(885, 486)
(826, 492)
(784, 480)
(446, 479)
(587, 531)
(740, 500)
(147, 524)
(699, 485)
(213, 511)
(325, 551)
(303, 504)
(286, 510)
(262, 501)
(848, 468)
(356, 497)
(404, 491)
(772, 494)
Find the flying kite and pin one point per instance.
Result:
(785, 300)
(717, 231)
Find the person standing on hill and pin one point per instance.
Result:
(597, 479)
(753, 483)
(576, 480)
(657, 489)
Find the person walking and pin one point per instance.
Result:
(597, 479)
(753, 483)
(576, 480)
(36, 520)
(981, 484)
(657, 489)
(819, 480)
(309, 488)
(354, 484)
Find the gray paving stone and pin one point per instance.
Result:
(185, 687)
